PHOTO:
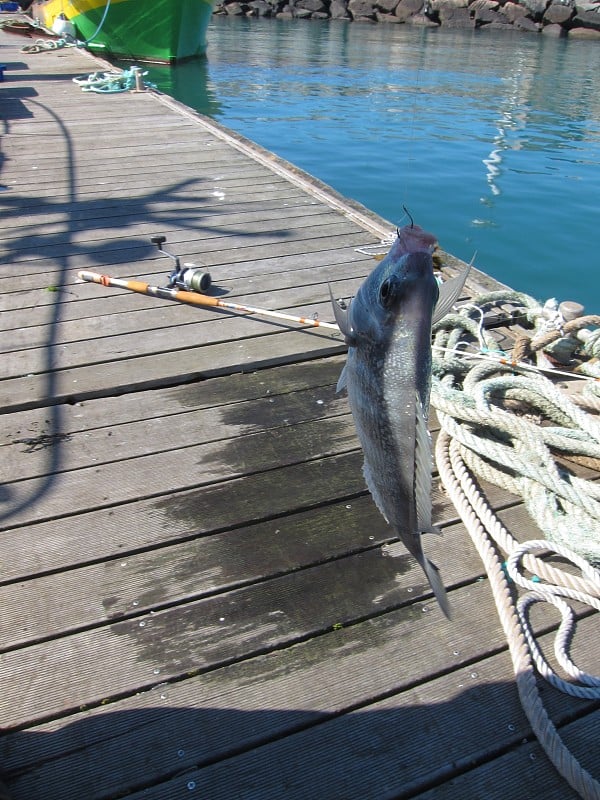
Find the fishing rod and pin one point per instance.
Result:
(189, 276)
(188, 284)
(197, 299)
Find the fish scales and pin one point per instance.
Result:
(388, 378)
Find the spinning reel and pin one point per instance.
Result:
(185, 276)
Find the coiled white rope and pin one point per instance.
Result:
(515, 430)
(482, 525)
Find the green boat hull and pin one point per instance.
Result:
(162, 31)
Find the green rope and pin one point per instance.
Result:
(513, 429)
(111, 82)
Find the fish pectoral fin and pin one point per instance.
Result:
(342, 380)
(341, 317)
(449, 294)
(423, 463)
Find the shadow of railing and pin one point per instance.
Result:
(400, 746)
(49, 247)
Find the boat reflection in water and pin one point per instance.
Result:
(188, 82)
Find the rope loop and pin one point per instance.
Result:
(581, 684)
(488, 536)
(503, 421)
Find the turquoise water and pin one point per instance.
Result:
(492, 140)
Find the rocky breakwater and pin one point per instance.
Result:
(575, 18)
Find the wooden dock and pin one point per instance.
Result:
(194, 601)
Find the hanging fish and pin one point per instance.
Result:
(387, 374)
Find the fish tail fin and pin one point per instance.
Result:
(435, 580)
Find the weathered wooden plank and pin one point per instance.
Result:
(106, 190)
(176, 180)
(56, 677)
(167, 433)
(285, 291)
(34, 291)
(303, 692)
(154, 269)
(56, 354)
(525, 771)
(221, 191)
(294, 230)
(176, 516)
(81, 215)
(136, 335)
(80, 218)
(79, 382)
(390, 749)
(107, 484)
(138, 582)
(170, 368)
(235, 388)
(210, 251)
(181, 515)
(70, 217)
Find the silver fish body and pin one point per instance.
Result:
(388, 379)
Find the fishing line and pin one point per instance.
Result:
(505, 361)
(199, 299)
(409, 150)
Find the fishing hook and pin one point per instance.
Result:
(408, 214)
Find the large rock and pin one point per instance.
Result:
(486, 12)
(386, 6)
(259, 8)
(310, 5)
(408, 8)
(339, 9)
(584, 33)
(362, 9)
(422, 19)
(437, 4)
(587, 16)
(479, 6)
(527, 24)
(558, 13)
(514, 12)
(535, 8)
(452, 15)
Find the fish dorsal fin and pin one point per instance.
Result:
(342, 380)
(341, 317)
(422, 471)
(449, 294)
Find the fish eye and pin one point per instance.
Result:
(386, 292)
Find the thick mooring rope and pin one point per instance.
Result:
(461, 488)
(516, 429)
